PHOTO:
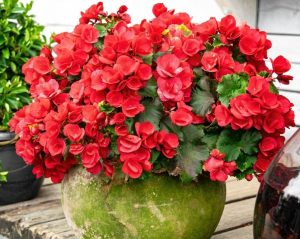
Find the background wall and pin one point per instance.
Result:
(61, 15)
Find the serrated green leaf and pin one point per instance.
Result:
(234, 143)
(202, 101)
(210, 139)
(250, 140)
(232, 86)
(190, 158)
(193, 133)
(150, 90)
(244, 161)
(153, 112)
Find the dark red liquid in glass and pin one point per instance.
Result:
(277, 216)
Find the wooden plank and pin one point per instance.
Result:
(245, 232)
(29, 222)
(237, 214)
(280, 16)
(57, 229)
(47, 194)
(242, 189)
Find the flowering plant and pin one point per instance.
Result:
(163, 95)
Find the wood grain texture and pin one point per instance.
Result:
(239, 233)
(237, 214)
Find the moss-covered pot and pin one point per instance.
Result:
(158, 207)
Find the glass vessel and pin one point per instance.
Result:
(277, 210)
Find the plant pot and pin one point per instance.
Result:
(160, 206)
(21, 184)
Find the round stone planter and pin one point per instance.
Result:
(158, 207)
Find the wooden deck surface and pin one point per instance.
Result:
(43, 218)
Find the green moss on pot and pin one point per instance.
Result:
(161, 206)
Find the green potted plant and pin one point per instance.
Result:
(21, 38)
(144, 123)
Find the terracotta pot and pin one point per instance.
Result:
(160, 206)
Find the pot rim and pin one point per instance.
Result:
(6, 136)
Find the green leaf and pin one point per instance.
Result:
(210, 139)
(13, 103)
(273, 89)
(198, 71)
(264, 74)
(153, 112)
(13, 67)
(154, 156)
(190, 158)
(148, 59)
(150, 90)
(3, 176)
(245, 162)
(5, 53)
(106, 108)
(202, 101)
(250, 140)
(241, 174)
(130, 125)
(193, 133)
(208, 46)
(102, 30)
(232, 86)
(233, 143)
(66, 153)
(216, 41)
(19, 90)
(238, 56)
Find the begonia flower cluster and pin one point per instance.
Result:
(165, 95)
